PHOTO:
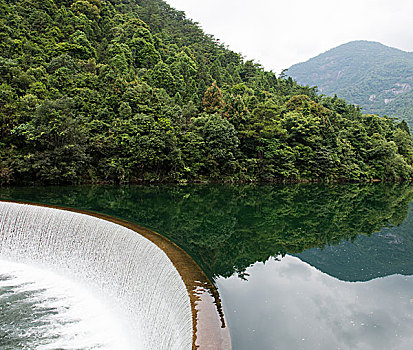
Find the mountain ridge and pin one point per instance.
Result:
(374, 76)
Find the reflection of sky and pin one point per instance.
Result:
(291, 305)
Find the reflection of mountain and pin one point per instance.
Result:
(385, 253)
(228, 228)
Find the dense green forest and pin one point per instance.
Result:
(377, 77)
(117, 91)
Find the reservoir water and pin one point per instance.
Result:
(289, 304)
(297, 266)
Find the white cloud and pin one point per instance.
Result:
(289, 304)
(281, 33)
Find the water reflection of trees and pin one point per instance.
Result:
(228, 228)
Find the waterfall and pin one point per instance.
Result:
(127, 268)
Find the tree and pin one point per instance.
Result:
(213, 101)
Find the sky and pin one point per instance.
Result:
(280, 33)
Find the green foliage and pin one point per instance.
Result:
(144, 53)
(115, 91)
(213, 100)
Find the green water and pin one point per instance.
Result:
(356, 239)
(227, 228)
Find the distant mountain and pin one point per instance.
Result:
(374, 76)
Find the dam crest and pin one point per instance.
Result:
(129, 269)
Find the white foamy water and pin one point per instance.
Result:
(135, 277)
(46, 311)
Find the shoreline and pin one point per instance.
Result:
(208, 181)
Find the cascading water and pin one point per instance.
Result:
(42, 310)
(132, 274)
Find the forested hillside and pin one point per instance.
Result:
(376, 77)
(132, 91)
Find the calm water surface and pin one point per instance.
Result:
(292, 305)
(297, 267)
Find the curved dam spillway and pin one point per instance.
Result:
(127, 268)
